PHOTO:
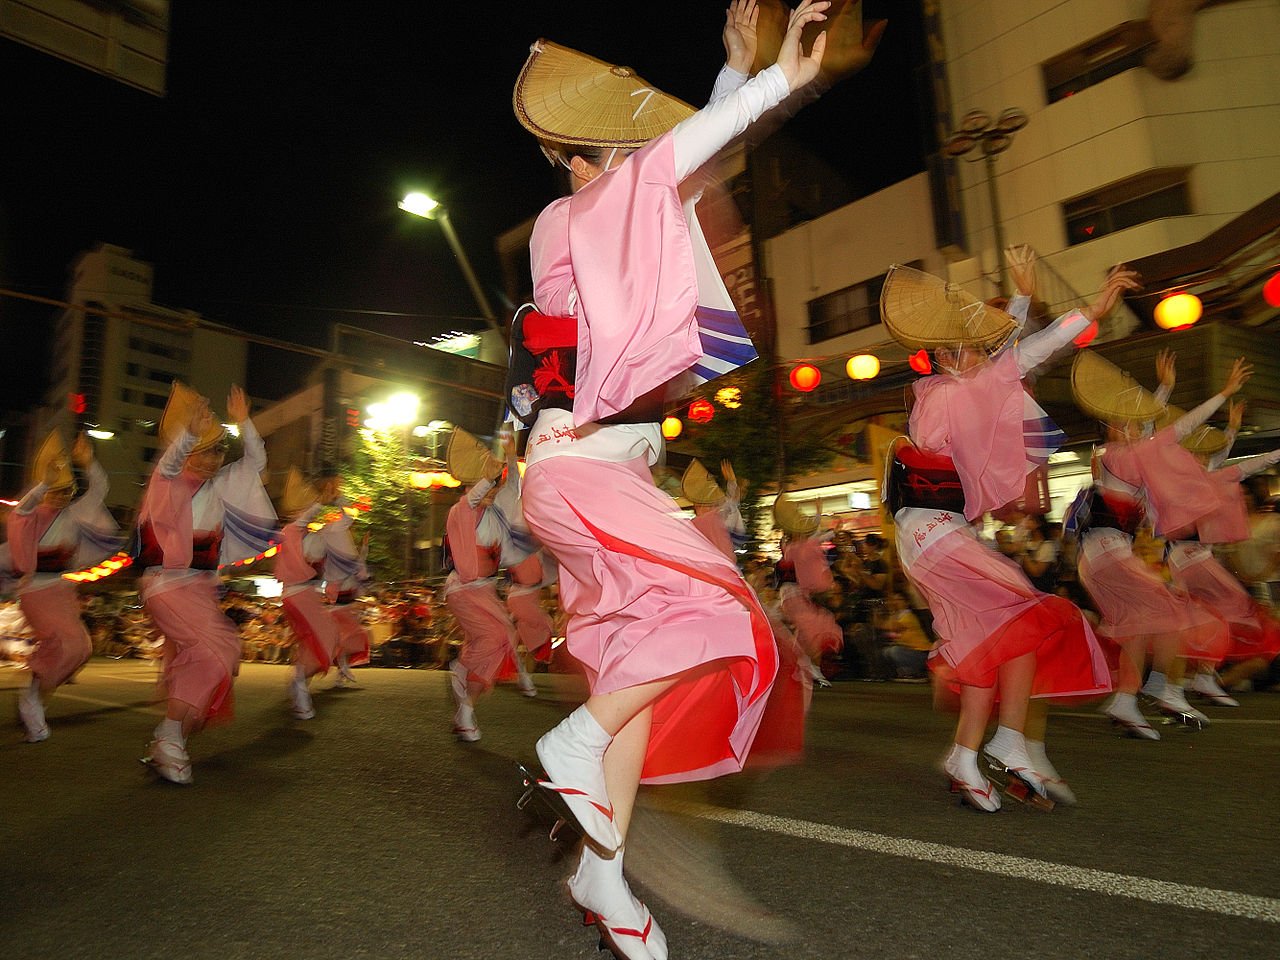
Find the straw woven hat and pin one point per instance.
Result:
(1107, 393)
(666, 480)
(470, 459)
(177, 414)
(921, 310)
(1204, 441)
(568, 97)
(298, 493)
(699, 486)
(53, 451)
(787, 516)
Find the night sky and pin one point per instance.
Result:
(263, 185)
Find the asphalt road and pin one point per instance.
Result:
(370, 832)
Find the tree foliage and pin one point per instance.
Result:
(379, 473)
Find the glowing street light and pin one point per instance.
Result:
(421, 205)
(1178, 310)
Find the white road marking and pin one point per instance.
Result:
(1215, 719)
(1227, 902)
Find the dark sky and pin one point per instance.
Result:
(263, 185)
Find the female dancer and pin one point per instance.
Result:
(299, 566)
(344, 573)
(197, 514)
(1140, 472)
(678, 654)
(51, 532)
(471, 592)
(971, 424)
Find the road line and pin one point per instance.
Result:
(93, 701)
(1226, 902)
(1214, 720)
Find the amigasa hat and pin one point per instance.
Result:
(177, 415)
(568, 97)
(698, 486)
(469, 459)
(298, 493)
(53, 451)
(1107, 393)
(787, 516)
(921, 310)
(1204, 441)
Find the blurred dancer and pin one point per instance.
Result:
(474, 543)
(197, 514)
(345, 572)
(803, 572)
(299, 568)
(716, 510)
(51, 531)
(678, 654)
(1140, 472)
(521, 556)
(977, 434)
(1255, 635)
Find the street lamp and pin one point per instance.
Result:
(421, 205)
(992, 139)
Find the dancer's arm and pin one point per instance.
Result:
(1235, 416)
(1076, 327)
(1240, 374)
(696, 139)
(476, 492)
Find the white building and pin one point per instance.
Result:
(1114, 164)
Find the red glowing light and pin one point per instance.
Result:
(1271, 290)
(919, 362)
(805, 377)
(701, 411)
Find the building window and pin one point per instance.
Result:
(1152, 195)
(154, 400)
(844, 311)
(1115, 51)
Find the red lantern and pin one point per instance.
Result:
(1271, 290)
(805, 377)
(919, 362)
(701, 411)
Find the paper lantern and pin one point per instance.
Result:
(1271, 290)
(701, 411)
(1177, 311)
(672, 428)
(862, 367)
(919, 362)
(805, 377)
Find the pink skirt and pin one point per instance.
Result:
(488, 638)
(816, 629)
(780, 739)
(532, 623)
(649, 597)
(62, 643)
(1134, 602)
(353, 638)
(314, 630)
(201, 649)
(1254, 632)
(987, 613)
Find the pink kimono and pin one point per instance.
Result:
(520, 555)
(344, 571)
(299, 565)
(648, 596)
(189, 528)
(471, 594)
(45, 543)
(985, 609)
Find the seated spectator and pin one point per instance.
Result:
(908, 645)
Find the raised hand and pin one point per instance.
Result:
(1022, 268)
(1235, 415)
(238, 405)
(1120, 279)
(1166, 368)
(850, 46)
(798, 67)
(1241, 371)
(201, 418)
(739, 36)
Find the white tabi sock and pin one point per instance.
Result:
(170, 730)
(1006, 741)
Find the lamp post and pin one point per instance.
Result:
(421, 205)
(991, 139)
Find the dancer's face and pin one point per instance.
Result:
(205, 463)
(960, 359)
